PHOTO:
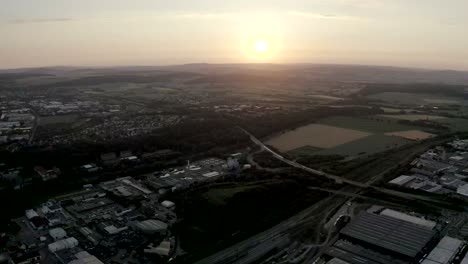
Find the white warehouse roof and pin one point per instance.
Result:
(409, 218)
(83, 257)
(444, 252)
(167, 204)
(57, 233)
(31, 213)
(449, 243)
(211, 174)
(63, 244)
(151, 226)
(401, 180)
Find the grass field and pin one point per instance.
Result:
(372, 124)
(414, 117)
(366, 146)
(455, 124)
(324, 97)
(398, 98)
(377, 139)
(391, 110)
(355, 136)
(220, 196)
(59, 119)
(411, 134)
(315, 135)
(304, 151)
(208, 226)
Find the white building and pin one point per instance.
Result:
(57, 233)
(463, 190)
(83, 257)
(63, 244)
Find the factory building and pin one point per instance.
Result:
(84, 257)
(409, 218)
(388, 234)
(57, 233)
(63, 244)
(151, 226)
(444, 252)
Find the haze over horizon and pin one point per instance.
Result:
(423, 34)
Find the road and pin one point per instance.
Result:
(247, 250)
(241, 251)
(36, 124)
(251, 161)
(336, 178)
(341, 180)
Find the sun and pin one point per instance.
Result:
(261, 46)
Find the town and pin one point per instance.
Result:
(156, 165)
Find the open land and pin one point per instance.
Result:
(410, 117)
(315, 135)
(139, 137)
(411, 134)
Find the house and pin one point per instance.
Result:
(47, 175)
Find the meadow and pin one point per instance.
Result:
(315, 135)
(348, 136)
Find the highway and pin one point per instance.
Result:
(253, 247)
(340, 180)
(337, 179)
(242, 251)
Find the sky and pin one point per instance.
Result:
(409, 33)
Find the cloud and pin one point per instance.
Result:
(40, 20)
(323, 16)
(221, 15)
(196, 15)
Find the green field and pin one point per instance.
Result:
(220, 196)
(455, 124)
(366, 146)
(399, 98)
(372, 124)
(59, 119)
(304, 151)
(376, 142)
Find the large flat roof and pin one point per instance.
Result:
(389, 233)
(409, 218)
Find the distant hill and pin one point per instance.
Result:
(250, 72)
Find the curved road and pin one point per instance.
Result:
(245, 251)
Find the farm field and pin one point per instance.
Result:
(374, 124)
(366, 146)
(455, 124)
(325, 97)
(391, 110)
(59, 119)
(381, 133)
(414, 117)
(411, 134)
(400, 98)
(315, 135)
(219, 196)
(304, 151)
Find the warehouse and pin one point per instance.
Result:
(151, 226)
(63, 244)
(388, 233)
(57, 233)
(444, 252)
(409, 218)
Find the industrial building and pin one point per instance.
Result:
(84, 257)
(444, 252)
(66, 243)
(151, 226)
(409, 218)
(390, 234)
(57, 233)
